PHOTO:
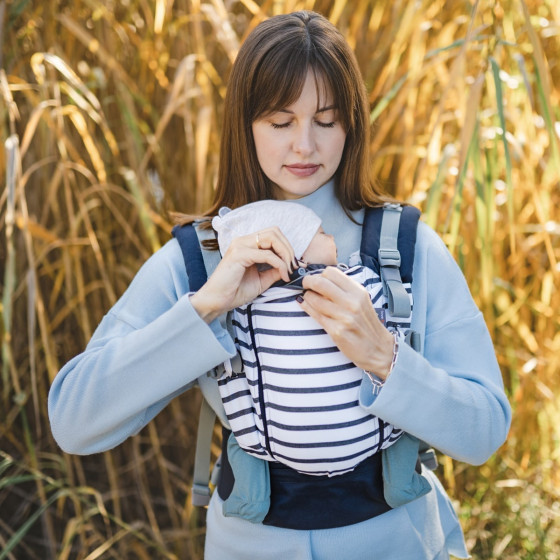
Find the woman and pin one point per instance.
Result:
(296, 127)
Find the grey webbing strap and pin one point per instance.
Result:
(200, 493)
(399, 302)
(414, 340)
(207, 417)
(390, 261)
(211, 261)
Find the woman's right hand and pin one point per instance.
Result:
(237, 280)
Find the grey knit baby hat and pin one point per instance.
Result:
(297, 222)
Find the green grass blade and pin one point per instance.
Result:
(507, 155)
(435, 192)
(455, 217)
(12, 172)
(19, 535)
(386, 99)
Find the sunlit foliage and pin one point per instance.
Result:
(110, 119)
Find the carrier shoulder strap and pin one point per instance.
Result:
(387, 247)
(388, 244)
(198, 264)
(200, 490)
(188, 239)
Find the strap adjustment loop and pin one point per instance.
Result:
(200, 495)
(389, 257)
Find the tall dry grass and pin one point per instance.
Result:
(111, 116)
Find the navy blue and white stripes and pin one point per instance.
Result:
(297, 400)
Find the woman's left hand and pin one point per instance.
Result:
(344, 309)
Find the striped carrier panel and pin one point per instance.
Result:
(297, 400)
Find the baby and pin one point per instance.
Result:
(296, 400)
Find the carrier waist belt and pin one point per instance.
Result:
(307, 502)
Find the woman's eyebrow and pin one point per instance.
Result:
(321, 110)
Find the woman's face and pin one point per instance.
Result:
(299, 147)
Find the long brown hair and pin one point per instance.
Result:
(269, 74)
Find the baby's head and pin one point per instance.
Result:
(321, 249)
(300, 225)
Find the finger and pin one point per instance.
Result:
(272, 239)
(318, 306)
(343, 322)
(243, 251)
(323, 285)
(267, 257)
(328, 323)
(349, 308)
(269, 277)
(230, 276)
(340, 329)
(340, 279)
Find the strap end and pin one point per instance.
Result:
(200, 495)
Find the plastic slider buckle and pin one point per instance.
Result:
(429, 459)
(200, 495)
(217, 372)
(389, 257)
(393, 206)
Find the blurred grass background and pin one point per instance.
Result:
(110, 118)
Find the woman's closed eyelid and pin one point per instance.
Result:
(280, 125)
(322, 124)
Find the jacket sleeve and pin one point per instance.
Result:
(150, 347)
(452, 395)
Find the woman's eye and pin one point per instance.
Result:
(319, 123)
(280, 125)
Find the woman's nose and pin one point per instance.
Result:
(304, 140)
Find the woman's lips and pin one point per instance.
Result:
(302, 169)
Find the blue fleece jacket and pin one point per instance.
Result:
(152, 346)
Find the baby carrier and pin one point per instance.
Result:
(296, 400)
(387, 247)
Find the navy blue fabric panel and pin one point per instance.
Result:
(407, 240)
(405, 243)
(192, 255)
(371, 233)
(226, 478)
(306, 502)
